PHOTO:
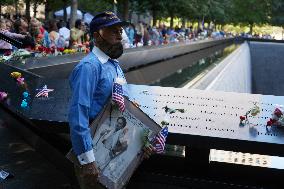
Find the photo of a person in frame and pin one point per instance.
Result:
(114, 140)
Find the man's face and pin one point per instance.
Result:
(119, 124)
(112, 34)
(109, 41)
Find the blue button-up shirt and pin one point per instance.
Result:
(91, 84)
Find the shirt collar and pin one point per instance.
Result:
(103, 58)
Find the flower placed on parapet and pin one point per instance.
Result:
(25, 94)
(254, 111)
(24, 103)
(145, 92)
(16, 75)
(164, 123)
(171, 111)
(21, 81)
(277, 118)
(3, 96)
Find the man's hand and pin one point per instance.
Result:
(90, 171)
(148, 151)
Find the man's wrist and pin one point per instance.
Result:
(86, 157)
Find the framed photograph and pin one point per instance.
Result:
(118, 139)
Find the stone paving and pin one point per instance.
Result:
(30, 169)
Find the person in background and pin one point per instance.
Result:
(86, 37)
(21, 27)
(64, 32)
(130, 33)
(139, 34)
(77, 33)
(146, 36)
(125, 40)
(155, 36)
(35, 30)
(5, 47)
(9, 25)
(53, 33)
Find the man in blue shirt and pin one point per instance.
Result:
(91, 83)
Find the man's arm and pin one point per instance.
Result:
(83, 83)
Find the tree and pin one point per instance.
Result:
(175, 9)
(64, 10)
(125, 13)
(218, 11)
(35, 5)
(51, 6)
(47, 9)
(187, 11)
(95, 6)
(251, 12)
(5, 3)
(28, 6)
(156, 8)
(277, 12)
(73, 16)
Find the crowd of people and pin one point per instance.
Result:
(48, 37)
(257, 36)
(56, 35)
(145, 35)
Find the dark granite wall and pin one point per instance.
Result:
(267, 61)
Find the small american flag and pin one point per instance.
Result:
(160, 140)
(43, 91)
(117, 96)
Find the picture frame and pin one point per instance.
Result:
(118, 140)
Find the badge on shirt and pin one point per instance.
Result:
(120, 80)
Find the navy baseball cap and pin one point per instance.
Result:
(105, 19)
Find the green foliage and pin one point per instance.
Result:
(7, 2)
(142, 6)
(277, 12)
(250, 11)
(95, 6)
(219, 11)
(243, 12)
(58, 5)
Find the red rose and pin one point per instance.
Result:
(61, 49)
(48, 50)
(7, 53)
(269, 123)
(273, 121)
(278, 112)
(242, 118)
(41, 48)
